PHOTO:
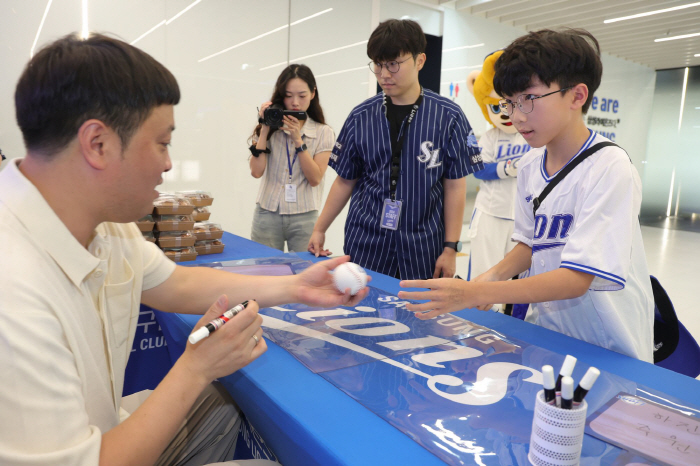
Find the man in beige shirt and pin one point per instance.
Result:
(97, 119)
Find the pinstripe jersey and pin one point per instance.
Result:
(439, 144)
(589, 223)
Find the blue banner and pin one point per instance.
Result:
(464, 392)
(149, 360)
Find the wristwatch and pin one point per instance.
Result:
(456, 245)
(301, 148)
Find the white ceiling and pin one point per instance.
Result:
(632, 39)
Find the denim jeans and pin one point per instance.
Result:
(273, 229)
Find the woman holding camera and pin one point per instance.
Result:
(291, 154)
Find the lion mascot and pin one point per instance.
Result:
(501, 149)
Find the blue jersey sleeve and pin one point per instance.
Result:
(345, 159)
(488, 173)
(463, 151)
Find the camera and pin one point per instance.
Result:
(272, 116)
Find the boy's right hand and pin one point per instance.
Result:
(316, 244)
(230, 347)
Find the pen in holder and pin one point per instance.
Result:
(557, 434)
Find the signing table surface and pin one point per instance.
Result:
(307, 419)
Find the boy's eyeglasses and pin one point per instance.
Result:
(391, 66)
(525, 102)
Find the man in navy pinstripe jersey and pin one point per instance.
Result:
(402, 158)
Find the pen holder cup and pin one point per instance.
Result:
(557, 434)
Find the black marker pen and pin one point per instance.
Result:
(566, 370)
(586, 383)
(550, 395)
(567, 392)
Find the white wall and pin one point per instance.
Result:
(220, 95)
(482, 37)
(217, 112)
(632, 86)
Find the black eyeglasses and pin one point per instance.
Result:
(2, 156)
(525, 102)
(391, 66)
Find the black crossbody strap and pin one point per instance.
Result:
(536, 202)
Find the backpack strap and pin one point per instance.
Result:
(536, 202)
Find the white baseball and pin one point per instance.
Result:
(349, 275)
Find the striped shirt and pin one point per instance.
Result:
(439, 144)
(318, 138)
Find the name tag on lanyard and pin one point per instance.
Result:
(391, 214)
(290, 190)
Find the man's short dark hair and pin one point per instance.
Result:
(568, 57)
(73, 80)
(394, 37)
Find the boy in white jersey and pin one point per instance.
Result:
(583, 245)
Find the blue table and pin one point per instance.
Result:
(306, 420)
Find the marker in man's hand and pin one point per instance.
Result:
(208, 329)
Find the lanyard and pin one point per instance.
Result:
(396, 148)
(290, 164)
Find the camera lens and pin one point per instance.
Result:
(273, 117)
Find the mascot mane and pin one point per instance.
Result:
(482, 84)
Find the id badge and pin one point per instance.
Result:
(391, 214)
(290, 192)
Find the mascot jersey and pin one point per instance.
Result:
(496, 196)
